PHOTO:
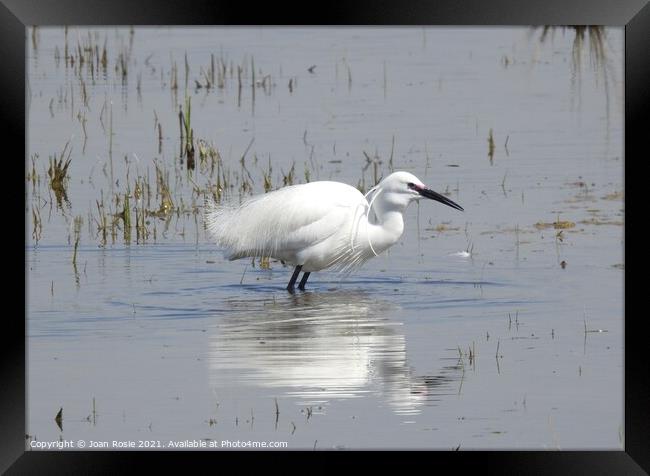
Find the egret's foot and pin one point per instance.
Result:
(303, 281)
(291, 289)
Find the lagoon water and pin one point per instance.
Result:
(497, 328)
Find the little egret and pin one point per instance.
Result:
(318, 225)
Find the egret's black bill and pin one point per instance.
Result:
(425, 192)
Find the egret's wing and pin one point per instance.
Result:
(282, 221)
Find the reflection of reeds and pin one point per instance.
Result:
(595, 36)
(102, 223)
(37, 224)
(174, 78)
(126, 218)
(78, 221)
(596, 45)
(122, 65)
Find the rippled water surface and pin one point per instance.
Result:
(499, 327)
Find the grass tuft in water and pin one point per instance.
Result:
(58, 173)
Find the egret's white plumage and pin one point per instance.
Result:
(317, 225)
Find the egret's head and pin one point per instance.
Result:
(401, 188)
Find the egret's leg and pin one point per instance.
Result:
(303, 281)
(294, 277)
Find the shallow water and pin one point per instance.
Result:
(173, 343)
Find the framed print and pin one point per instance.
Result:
(388, 228)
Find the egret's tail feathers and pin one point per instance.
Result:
(231, 229)
(217, 222)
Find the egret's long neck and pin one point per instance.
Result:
(387, 230)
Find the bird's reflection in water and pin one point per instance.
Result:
(322, 346)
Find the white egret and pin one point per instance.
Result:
(318, 225)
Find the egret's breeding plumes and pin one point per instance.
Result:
(318, 225)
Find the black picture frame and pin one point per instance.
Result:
(634, 15)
